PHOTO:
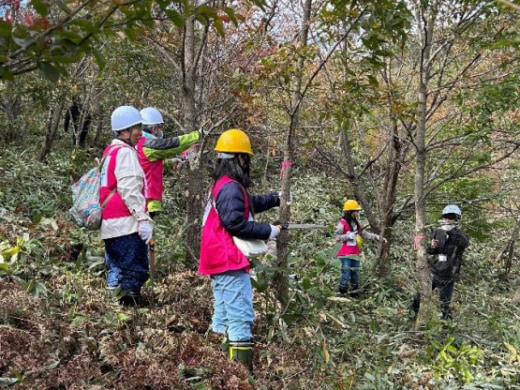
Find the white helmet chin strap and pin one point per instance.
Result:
(225, 156)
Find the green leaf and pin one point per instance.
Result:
(87, 26)
(41, 7)
(208, 12)
(5, 28)
(5, 74)
(260, 4)
(175, 17)
(219, 26)
(49, 71)
(130, 33)
(306, 283)
(231, 13)
(100, 59)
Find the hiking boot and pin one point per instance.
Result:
(354, 292)
(446, 314)
(130, 298)
(342, 291)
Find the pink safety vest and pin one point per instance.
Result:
(153, 171)
(115, 207)
(345, 249)
(218, 252)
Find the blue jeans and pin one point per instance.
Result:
(127, 261)
(113, 272)
(349, 271)
(233, 307)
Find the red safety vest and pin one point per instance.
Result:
(345, 249)
(153, 171)
(218, 252)
(115, 207)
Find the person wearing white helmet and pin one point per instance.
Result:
(153, 149)
(153, 122)
(446, 247)
(126, 226)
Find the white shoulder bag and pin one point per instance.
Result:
(251, 248)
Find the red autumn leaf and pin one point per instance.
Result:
(224, 18)
(41, 23)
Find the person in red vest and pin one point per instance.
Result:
(230, 212)
(126, 226)
(349, 233)
(153, 149)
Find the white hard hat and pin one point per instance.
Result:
(452, 209)
(124, 117)
(151, 116)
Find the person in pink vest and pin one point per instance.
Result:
(230, 212)
(350, 234)
(126, 227)
(153, 149)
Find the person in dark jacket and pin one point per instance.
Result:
(447, 247)
(80, 123)
(230, 213)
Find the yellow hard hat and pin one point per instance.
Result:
(234, 141)
(351, 205)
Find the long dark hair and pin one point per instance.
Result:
(351, 220)
(231, 167)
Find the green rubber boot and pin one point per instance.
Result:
(242, 351)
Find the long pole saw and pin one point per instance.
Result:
(293, 226)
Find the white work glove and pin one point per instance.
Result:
(275, 231)
(351, 236)
(145, 231)
(379, 238)
(177, 163)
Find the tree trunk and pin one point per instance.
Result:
(510, 248)
(10, 105)
(53, 121)
(359, 193)
(84, 112)
(281, 279)
(194, 205)
(99, 116)
(422, 265)
(393, 169)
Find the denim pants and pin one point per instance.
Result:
(127, 262)
(349, 271)
(233, 307)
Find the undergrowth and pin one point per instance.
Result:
(58, 331)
